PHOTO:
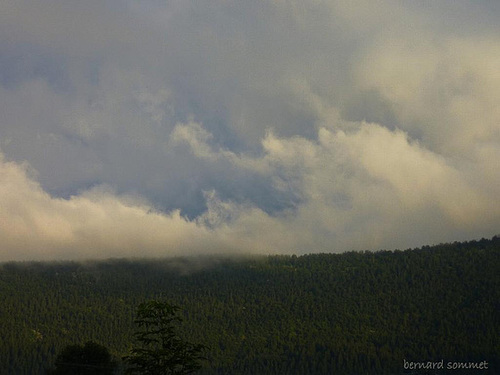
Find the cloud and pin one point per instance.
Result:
(445, 91)
(269, 126)
(94, 224)
(366, 188)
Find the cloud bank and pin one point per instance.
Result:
(147, 128)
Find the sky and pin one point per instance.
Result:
(133, 128)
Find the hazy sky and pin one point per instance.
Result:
(148, 127)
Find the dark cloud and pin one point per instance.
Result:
(264, 126)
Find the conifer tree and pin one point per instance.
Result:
(158, 349)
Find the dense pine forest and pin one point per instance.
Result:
(350, 313)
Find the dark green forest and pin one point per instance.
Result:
(350, 313)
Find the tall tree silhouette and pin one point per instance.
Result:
(158, 349)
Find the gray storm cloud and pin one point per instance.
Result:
(146, 128)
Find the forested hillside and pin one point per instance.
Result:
(351, 313)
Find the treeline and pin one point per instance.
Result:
(351, 313)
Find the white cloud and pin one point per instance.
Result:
(445, 90)
(269, 98)
(367, 188)
(94, 224)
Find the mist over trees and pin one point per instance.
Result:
(357, 312)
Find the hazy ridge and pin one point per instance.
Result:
(357, 312)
